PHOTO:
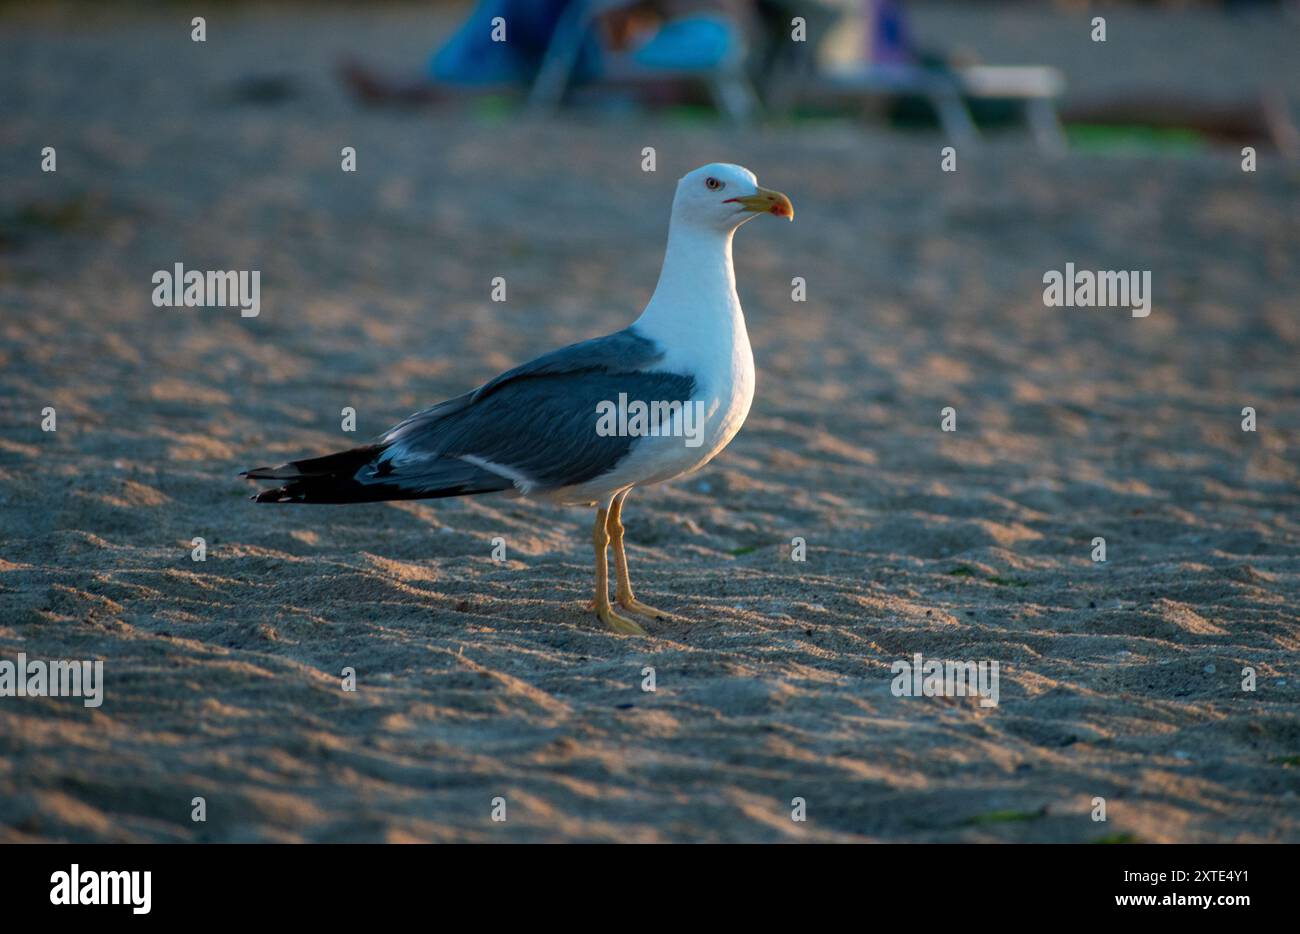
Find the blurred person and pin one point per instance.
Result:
(658, 34)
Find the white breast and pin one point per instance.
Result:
(726, 401)
(695, 316)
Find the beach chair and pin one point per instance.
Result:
(720, 70)
(1036, 87)
(794, 76)
(949, 93)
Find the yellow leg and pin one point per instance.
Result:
(600, 541)
(622, 582)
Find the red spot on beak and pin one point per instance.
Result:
(765, 202)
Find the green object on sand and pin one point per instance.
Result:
(1005, 817)
(1117, 838)
(1140, 140)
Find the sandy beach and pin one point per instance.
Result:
(480, 679)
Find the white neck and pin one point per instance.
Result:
(696, 294)
(694, 316)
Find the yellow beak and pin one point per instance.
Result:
(766, 201)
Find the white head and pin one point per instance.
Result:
(721, 197)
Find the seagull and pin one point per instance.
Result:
(588, 423)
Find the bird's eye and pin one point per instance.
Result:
(712, 184)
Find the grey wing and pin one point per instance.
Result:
(536, 424)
